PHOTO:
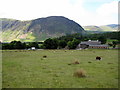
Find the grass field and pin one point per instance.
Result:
(28, 69)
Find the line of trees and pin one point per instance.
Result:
(59, 44)
(19, 45)
(68, 41)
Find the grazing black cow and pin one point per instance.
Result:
(44, 56)
(98, 58)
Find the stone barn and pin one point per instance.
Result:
(92, 44)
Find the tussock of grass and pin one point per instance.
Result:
(76, 62)
(89, 62)
(80, 73)
(110, 63)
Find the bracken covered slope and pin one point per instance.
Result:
(38, 29)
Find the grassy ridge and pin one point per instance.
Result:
(28, 69)
(101, 28)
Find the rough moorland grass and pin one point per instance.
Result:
(28, 69)
(80, 73)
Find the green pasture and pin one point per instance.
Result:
(28, 69)
(111, 40)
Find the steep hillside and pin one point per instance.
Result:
(38, 29)
(14, 29)
(92, 28)
(111, 27)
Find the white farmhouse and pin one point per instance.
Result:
(32, 48)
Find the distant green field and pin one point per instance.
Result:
(28, 69)
(111, 40)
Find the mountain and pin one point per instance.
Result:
(114, 26)
(38, 29)
(110, 27)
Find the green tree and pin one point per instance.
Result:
(73, 44)
(54, 43)
(62, 43)
(114, 44)
(33, 44)
(47, 43)
(16, 45)
(50, 43)
(70, 45)
(103, 39)
(5, 46)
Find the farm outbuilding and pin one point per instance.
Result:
(92, 44)
(32, 48)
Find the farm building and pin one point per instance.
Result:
(92, 44)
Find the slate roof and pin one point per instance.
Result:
(99, 45)
(91, 42)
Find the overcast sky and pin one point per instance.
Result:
(84, 12)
